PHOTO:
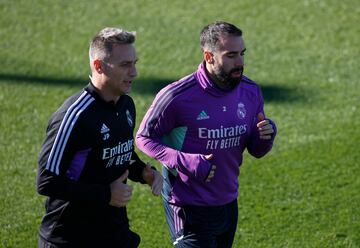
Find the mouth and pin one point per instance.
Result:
(237, 72)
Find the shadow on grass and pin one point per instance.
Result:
(141, 85)
(23, 79)
(271, 92)
(276, 93)
(151, 85)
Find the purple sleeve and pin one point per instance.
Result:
(256, 146)
(159, 120)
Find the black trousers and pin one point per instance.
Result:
(130, 240)
(201, 226)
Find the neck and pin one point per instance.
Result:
(102, 90)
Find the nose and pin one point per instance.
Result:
(133, 71)
(240, 61)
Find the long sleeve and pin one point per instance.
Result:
(256, 146)
(53, 165)
(159, 121)
(60, 187)
(136, 168)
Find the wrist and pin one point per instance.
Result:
(148, 176)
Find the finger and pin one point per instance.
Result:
(211, 173)
(265, 137)
(262, 123)
(213, 168)
(156, 189)
(125, 200)
(265, 127)
(157, 179)
(125, 196)
(208, 157)
(156, 192)
(209, 179)
(130, 188)
(157, 184)
(261, 116)
(124, 176)
(264, 132)
(127, 188)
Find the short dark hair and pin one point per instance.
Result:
(210, 34)
(101, 45)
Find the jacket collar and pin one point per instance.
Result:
(95, 93)
(206, 83)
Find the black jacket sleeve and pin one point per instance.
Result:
(136, 165)
(60, 187)
(57, 184)
(136, 168)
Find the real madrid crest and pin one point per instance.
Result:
(129, 118)
(241, 111)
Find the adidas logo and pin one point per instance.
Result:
(202, 116)
(104, 129)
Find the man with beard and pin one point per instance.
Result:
(198, 128)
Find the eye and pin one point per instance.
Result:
(126, 64)
(231, 55)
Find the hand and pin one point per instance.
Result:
(120, 192)
(212, 170)
(265, 128)
(153, 178)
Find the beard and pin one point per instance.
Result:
(226, 79)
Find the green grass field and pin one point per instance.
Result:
(304, 54)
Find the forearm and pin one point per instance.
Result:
(136, 169)
(60, 187)
(194, 165)
(259, 147)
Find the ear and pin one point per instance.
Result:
(208, 57)
(98, 66)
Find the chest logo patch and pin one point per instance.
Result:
(129, 118)
(105, 131)
(202, 116)
(241, 111)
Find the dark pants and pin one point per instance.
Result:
(131, 241)
(198, 226)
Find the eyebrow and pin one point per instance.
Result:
(236, 51)
(128, 61)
